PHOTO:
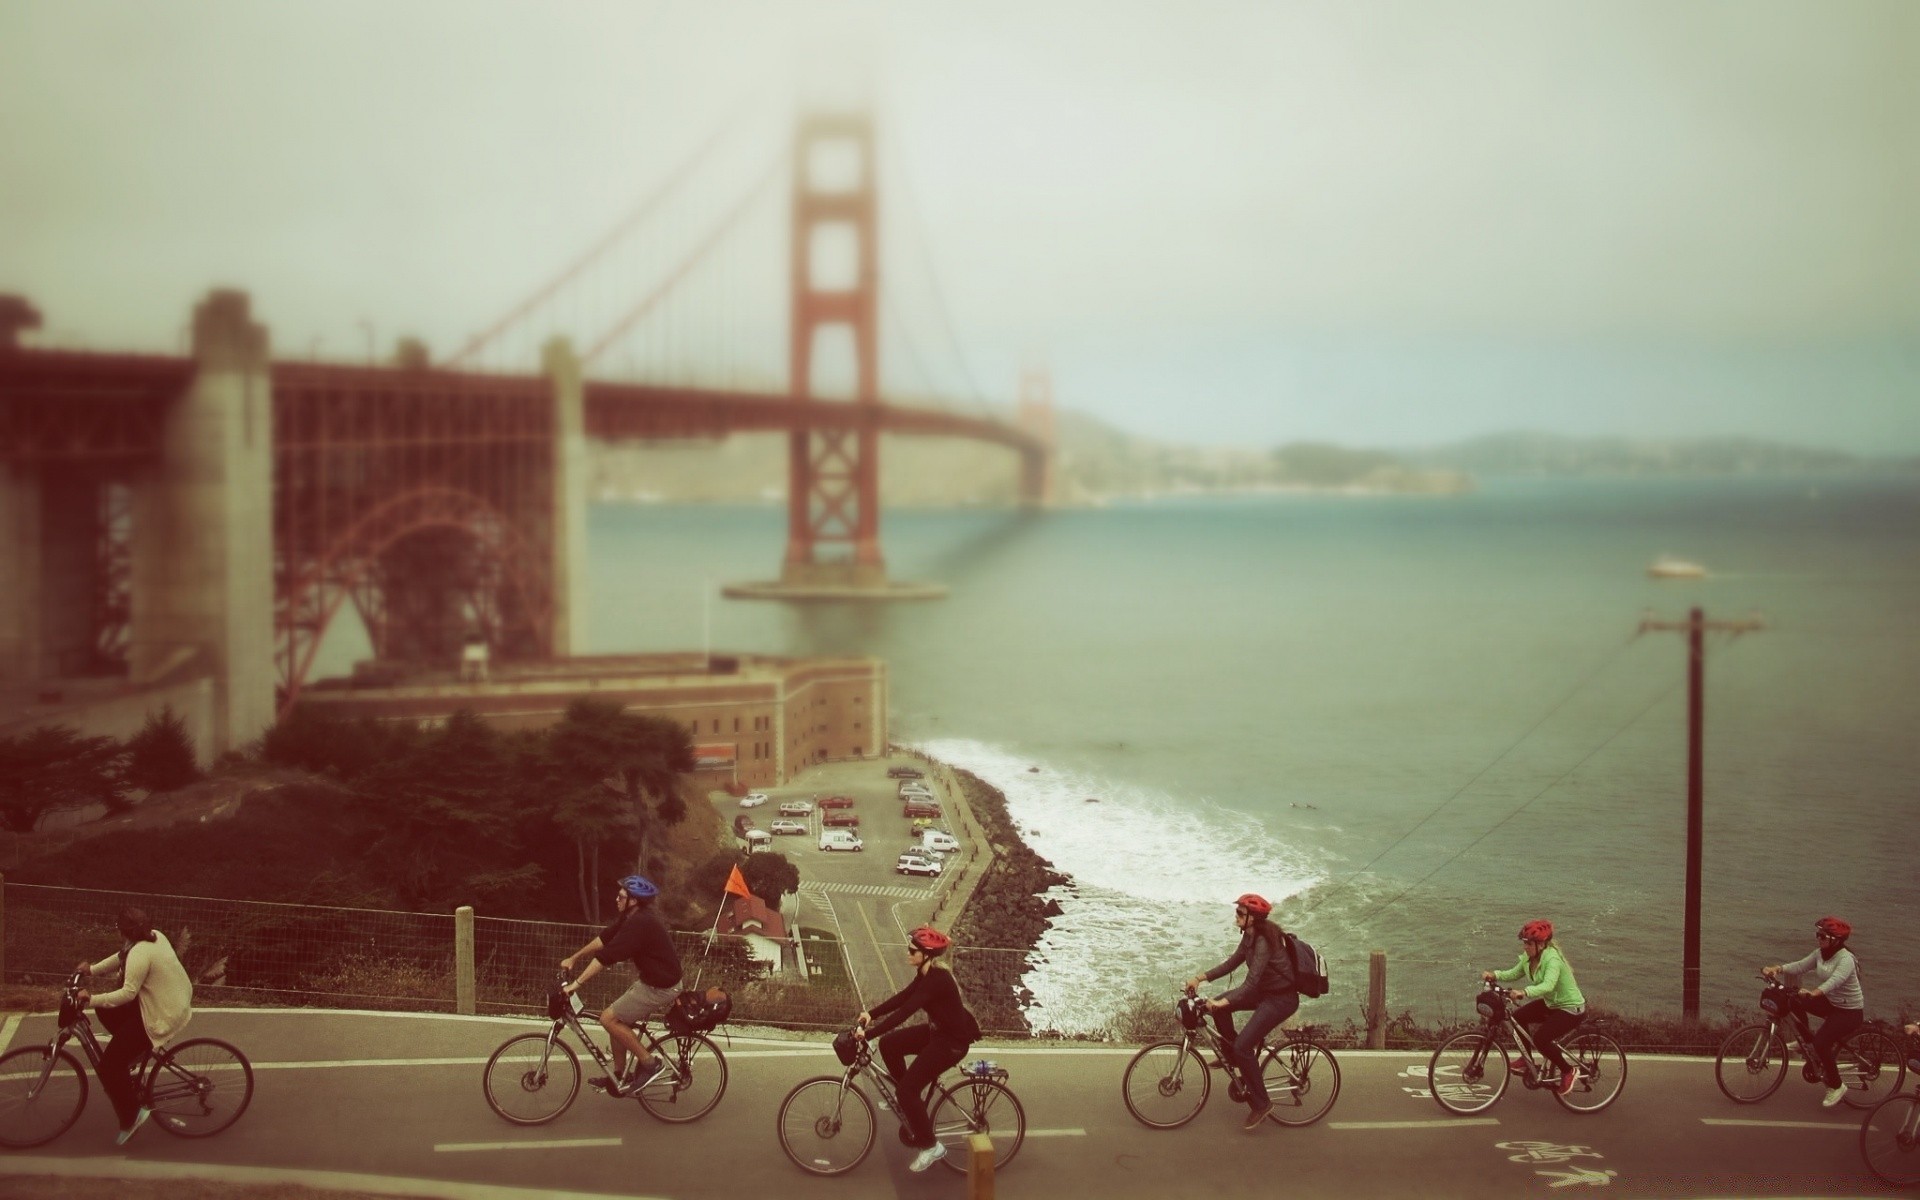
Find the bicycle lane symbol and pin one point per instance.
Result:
(1555, 1152)
(1446, 1081)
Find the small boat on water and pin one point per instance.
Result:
(1669, 567)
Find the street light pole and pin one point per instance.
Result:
(1695, 627)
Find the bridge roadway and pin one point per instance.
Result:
(398, 1096)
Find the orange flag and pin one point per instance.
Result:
(737, 883)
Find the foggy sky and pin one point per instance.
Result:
(1377, 223)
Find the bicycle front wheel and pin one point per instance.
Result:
(1468, 1073)
(1600, 1072)
(198, 1088)
(826, 1125)
(1752, 1064)
(1871, 1066)
(979, 1106)
(40, 1097)
(1890, 1140)
(691, 1086)
(1166, 1085)
(1302, 1080)
(531, 1079)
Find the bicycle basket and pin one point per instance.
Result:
(697, 1012)
(846, 1048)
(1492, 1004)
(1775, 1002)
(1189, 1009)
(561, 1002)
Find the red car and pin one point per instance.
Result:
(920, 808)
(833, 801)
(840, 817)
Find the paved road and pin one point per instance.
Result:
(400, 1096)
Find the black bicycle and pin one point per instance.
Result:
(1890, 1133)
(1167, 1083)
(1753, 1060)
(827, 1123)
(533, 1078)
(1471, 1070)
(194, 1088)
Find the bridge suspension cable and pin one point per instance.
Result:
(902, 171)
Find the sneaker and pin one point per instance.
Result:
(1833, 1096)
(1568, 1078)
(1256, 1118)
(926, 1158)
(611, 1087)
(642, 1076)
(139, 1119)
(1517, 1067)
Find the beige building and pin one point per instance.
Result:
(755, 720)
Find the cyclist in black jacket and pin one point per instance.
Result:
(639, 936)
(1269, 991)
(937, 1045)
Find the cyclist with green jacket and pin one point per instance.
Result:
(1554, 1006)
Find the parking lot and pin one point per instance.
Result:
(857, 895)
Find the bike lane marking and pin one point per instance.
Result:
(1437, 1123)
(6, 1031)
(556, 1144)
(1849, 1128)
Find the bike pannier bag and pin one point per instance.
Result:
(697, 1012)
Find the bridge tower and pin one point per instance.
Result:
(1036, 417)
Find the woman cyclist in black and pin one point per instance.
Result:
(937, 1045)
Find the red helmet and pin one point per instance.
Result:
(929, 941)
(1537, 931)
(1254, 906)
(1833, 927)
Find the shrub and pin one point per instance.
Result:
(160, 756)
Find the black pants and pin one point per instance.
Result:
(129, 1042)
(1546, 1026)
(1835, 1023)
(1268, 1012)
(934, 1054)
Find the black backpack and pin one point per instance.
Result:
(1309, 969)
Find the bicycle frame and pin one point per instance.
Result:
(1800, 1037)
(76, 1027)
(674, 1074)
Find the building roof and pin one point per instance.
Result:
(750, 914)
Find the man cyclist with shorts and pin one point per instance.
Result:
(637, 935)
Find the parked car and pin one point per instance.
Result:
(840, 817)
(916, 864)
(920, 795)
(741, 824)
(835, 801)
(841, 839)
(753, 800)
(758, 839)
(938, 841)
(788, 825)
(920, 808)
(796, 808)
(903, 772)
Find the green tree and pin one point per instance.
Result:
(639, 758)
(53, 768)
(770, 875)
(160, 756)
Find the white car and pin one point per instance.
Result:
(787, 825)
(753, 800)
(841, 839)
(914, 791)
(758, 840)
(796, 808)
(916, 864)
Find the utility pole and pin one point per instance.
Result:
(1695, 627)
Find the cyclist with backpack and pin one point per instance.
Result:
(1835, 996)
(1554, 1005)
(1270, 992)
(639, 936)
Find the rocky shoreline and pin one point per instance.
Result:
(1008, 913)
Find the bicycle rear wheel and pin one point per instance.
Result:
(1890, 1140)
(1751, 1065)
(40, 1098)
(1468, 1073)
(1303, 1081)
(198, 1088)
(826, 1125)
(979, 1106)
(531, 1079)
(1871, 1065)
(692, 1086)
(1600, 1067)
(1166, 1085)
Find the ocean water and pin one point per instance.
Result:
(1417, 721)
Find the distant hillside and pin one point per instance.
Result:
(1552, 454)
(1097, 463)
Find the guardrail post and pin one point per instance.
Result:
(1377, 1001)
(979, 1167)
(463, 960)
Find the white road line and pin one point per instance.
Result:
(6, 1031)
(1781, 1124)
(121, 1167)
(563, 1144)
(1441, 1123)
(1032, 1133)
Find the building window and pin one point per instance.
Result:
(736, 724)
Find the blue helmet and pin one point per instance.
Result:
(639, 887)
